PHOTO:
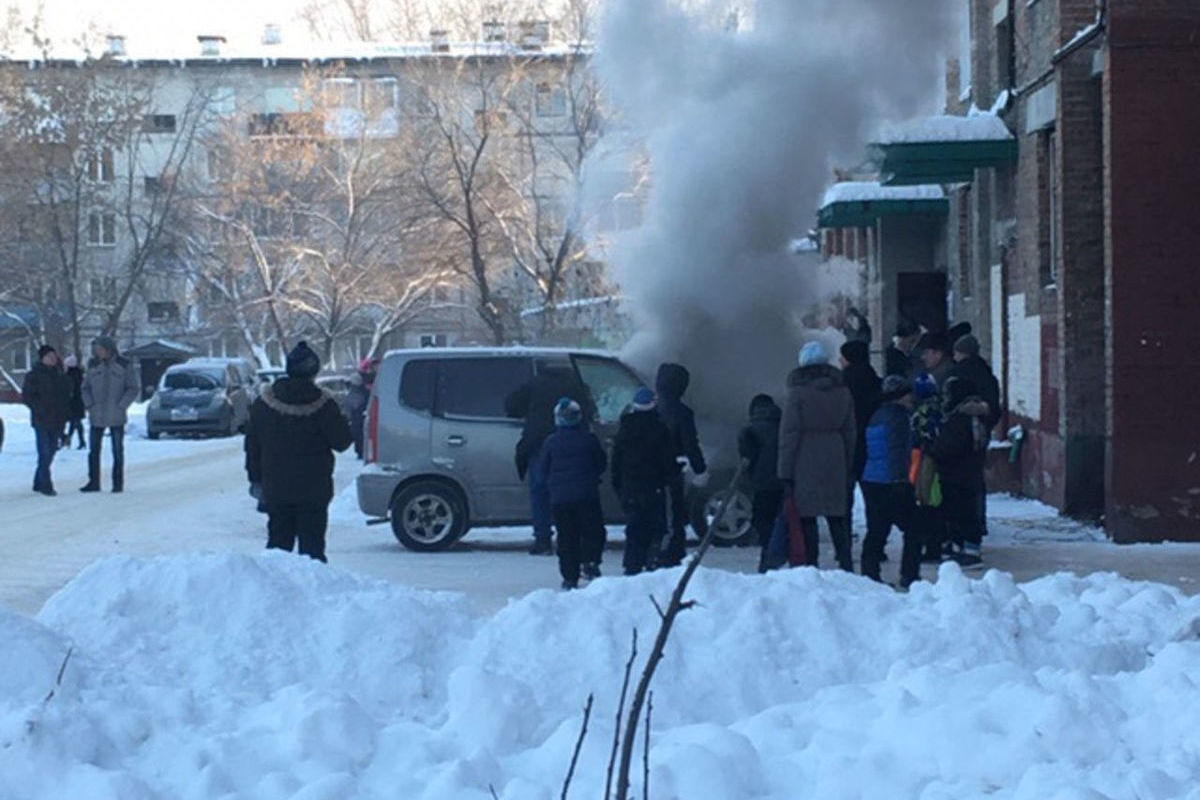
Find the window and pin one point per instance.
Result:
(342, 93)
(101, 166)
(380, 95)
(194, 380)
(278, 124)
(478, 387)
(433, 340)
(1052, 247)
(162, 312)
(159, 123)
(104, 292)
(551, 100)
(152, 185)
(418, 384)
(102, 229)
(611, 384)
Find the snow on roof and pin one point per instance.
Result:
(567, 305)
(946, 128)
(868, 191)
(175, 52)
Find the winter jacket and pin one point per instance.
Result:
(961, 448)
(571, 463)
(643, 457)
(758, 443)
(889, 445)
(294, 429)
(864, 385)
(672, 383)
(109, 389)
(817, 440)
(47, 392)
(927, 421)
(75, 409)
(897, 362)
(535, 401)
(356, 403)
(979, 374)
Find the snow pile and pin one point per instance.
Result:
(272, 677)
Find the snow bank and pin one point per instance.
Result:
(273, 677)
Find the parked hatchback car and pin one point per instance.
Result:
(199, 399)
(440, 448)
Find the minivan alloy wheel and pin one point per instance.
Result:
(428, 518)
(738, 519)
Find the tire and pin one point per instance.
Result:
(428, 516)
(153, 435)
(737, 530)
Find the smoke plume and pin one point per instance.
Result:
(742, 131)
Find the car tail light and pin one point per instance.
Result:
(371, 451)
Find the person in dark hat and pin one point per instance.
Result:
(643, 464)
(295, 428)
(48, 395)
(864, 385)
(886, 487)
(971, 366)
(934, 352)
(958, 330)
(901, 355)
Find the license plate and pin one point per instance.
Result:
(184, 414)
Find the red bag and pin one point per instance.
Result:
(797, 552)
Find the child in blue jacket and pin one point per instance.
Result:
(571, 464)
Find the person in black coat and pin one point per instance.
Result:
(643, 463)
(295, 428)
(865, 387)
(961, 454)
(758, 445)
(47, 392)
(76, 411)
(571, 463)
(357, 400)
(900, 357)
(672, 383)
(970, 366)
(535, 403)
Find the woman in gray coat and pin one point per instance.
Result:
(816, 450)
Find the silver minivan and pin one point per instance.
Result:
(440, 448)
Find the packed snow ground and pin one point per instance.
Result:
(236, 673)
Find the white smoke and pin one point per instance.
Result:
(742, 131)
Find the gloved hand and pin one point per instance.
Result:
(700, 481)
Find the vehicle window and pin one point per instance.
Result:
(201, 381)
(611, 384)
(478, 387)
(418, 385)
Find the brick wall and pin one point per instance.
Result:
(1153, 156)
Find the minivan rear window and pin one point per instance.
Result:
(478, 387)
(417, 385)
(201, 380)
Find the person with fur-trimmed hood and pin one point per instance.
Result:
(961, 455)
(295, 428)
(816, 450)
(672, 383)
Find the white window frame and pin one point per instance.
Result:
(335, 90)
(376, 84)
(102, 165)
(102, 229)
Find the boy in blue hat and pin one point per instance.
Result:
(571, 464)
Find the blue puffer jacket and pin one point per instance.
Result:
(571, 463)
(889, 445)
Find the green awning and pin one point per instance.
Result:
(858, 204)
(943, 149)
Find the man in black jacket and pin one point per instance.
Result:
(535, 402)
(970, 366)
(961, 454)
(865, 387)
(643, 463)
(295, 428)
(48, 395)
(672, 383)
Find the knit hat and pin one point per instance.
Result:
(44, 350)
(925, 387)
(959, 330)
(895, 387)
(967, 345)
(567, 414)
(71, 362)
(644, 400)
(856, 352)
(302, 362)
(906, 329)
(814, 354)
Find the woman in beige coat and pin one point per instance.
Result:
(816, 450)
